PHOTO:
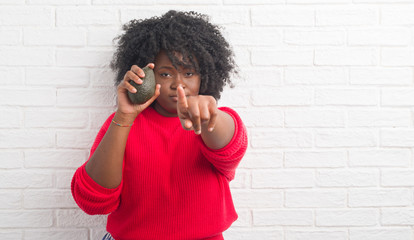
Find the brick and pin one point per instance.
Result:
(314, 118)
(56, 118)
(235, 97)
(259, 76)
(379, 197)
(316, 198)
(397, 15)
(242, 179)
(282, 217)
(97, 232)
(64, 178)
(316, 234)
(350, 56)
(47, 199)
(257, 198)
(26, 56)
(253, 233)
(282, 57)
(11, 76)
(26, 218)
(27, 139)
(397, 138)
(98, 117)
(102, 36)
(10, 118)
(25, 179)
(315, 159)
(314, 37)
(10, 199)
(102, 77)
(347, 178)
(193, 2)
(344, 96)
(86, 97)
(10, 37)
(381, 76)
(397, 57)
(56, 233)
(282, 96)
(77, 218)
(58, 2)
(254, 36)
(261, 117)
(397, 97)
(282, 16)
(383, 233)
(271, 138)
(379, 36)
(244, 218)
(83, 58)
(346, 16)
(75, 139)
(316, 75)
(397, 178)
(11, 159)
(397, 216)
(121, 2)
(26, 16)
(346, 138)
(242, 56)
(55, 158)
(283, 178)
(11, 234)
(380, 158)
(28, 97)
(84, 16)
(54, 36)
(58, 77)
(348, 218)
(379, 118)
(260, 159)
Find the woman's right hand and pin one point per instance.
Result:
(126, 109)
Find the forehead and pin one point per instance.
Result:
(178, 61)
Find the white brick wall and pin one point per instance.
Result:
(326, 90)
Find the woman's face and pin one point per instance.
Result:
(169, 78)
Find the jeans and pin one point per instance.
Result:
(108, 237)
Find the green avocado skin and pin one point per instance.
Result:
(145, 90)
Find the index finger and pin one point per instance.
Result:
(182, 104)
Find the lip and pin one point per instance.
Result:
(174, 98)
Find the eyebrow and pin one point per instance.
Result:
(167, 67)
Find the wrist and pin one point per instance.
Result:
(124, 119)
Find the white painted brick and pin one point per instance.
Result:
(64, 179)
(397, 178)
(397, 233)
(83, 58)
(345, 217)
(242, 179)
(58, 2)
(55, 158)
(254, 36)
(351, 56)
(271, 138)
(77, 218)
(244, 218)
(282, 96)
(242, 56)
(120, 2)
(11, 159)
(56, 233)
(346, 138)
(26, 16)
(253, 233)
(86, 97)
(56, 118)
(58, 77)
(26, 218)
(318, 234)
(28, 97)
(10, 118)
(383, 1)
(75, 138)
(98, 232)
(318, 1)
(348, 16)
(10, 199)
(397, 137)
(81, 16)
(397, 216)
(283, 178)
(235, 97)
(379, 118)
(261, 117)
(282, 16)
(316, 198)
(314, 118)
(260, 159)
(192, 2)
(347, 96)
(259, 76)
(26, 56)
(25, 179)
(380, 158)
(98, 116)
(11, 234)
(27, 138)
(381, 76)
(314, 37)
(347, 178)
(380, 197)
(51, 198)
(252, 2)
(397, 57)
(102, 77)
(12, 2)
(397, 97)
(315, 159)
(379, 36)
(397, 15)
(248, 198)
(316, 75)
(55, 36)
(102, 36)
(282, 217)
(11, 76)
(10, 37)
(282, 57)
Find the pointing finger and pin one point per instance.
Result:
(182, 104)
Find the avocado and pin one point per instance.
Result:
(145, 90)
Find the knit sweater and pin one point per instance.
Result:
(173, 186)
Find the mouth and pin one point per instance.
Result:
(174, 98)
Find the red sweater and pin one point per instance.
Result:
(173, 186)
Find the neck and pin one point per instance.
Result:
(164, 112)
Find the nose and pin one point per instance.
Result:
(177, 81)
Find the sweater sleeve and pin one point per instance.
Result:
(91, 197)
(226, 159)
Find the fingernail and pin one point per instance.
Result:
(210, 129)
(134, 90)
(198, 132)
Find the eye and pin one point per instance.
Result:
(189, 74)
(165, 75)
